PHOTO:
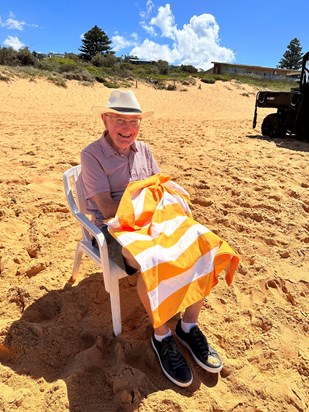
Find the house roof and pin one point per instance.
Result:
(259, 68)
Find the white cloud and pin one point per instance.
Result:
(12, 23)
(145, 15)
(150, 50)
(149, 7)
(196, 43)
(14, 42)
(148, 29)
(134, 36)
(119, 42)
(165, 21)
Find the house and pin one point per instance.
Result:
(268, 73)
(137, 61)
(52, 54)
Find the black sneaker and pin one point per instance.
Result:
(172, 362)
(203, 354)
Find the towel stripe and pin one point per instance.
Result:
(180, 259)
(167, 287)
(186, 260)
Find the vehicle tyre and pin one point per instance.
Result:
(273, 126)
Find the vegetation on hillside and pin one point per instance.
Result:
(98, 63)
(115, 72)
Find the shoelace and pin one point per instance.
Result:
(169, 348)
(201, 342)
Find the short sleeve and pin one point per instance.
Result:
(94, 177)
(153, 164)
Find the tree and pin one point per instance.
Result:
(8, 56)
(94, 41)
(162, 66)
(188, 68)
(26, 57)
(292, 58)
(108, 60)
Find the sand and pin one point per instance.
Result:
(57, 349)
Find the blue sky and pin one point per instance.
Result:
(193, 32)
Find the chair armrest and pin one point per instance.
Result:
(83, 219)
(91, 227)
(86, 223)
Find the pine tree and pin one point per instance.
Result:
(292, 58)
(95, 41)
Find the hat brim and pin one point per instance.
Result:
(98, 110)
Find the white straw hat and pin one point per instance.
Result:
(122, 103)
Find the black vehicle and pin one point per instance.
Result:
(292, 114)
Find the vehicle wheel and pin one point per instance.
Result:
(273, 126)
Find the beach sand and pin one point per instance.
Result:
(57, 349)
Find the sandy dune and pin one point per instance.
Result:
(57, 350)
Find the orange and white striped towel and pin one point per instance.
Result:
(180, 259)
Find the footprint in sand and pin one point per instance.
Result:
(280, 285)
(202, 201)
(46, 311)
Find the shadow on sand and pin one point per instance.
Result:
(289, 142)
(67, 335)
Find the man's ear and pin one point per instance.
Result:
(103, 117)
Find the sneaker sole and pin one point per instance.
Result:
(182, 384)
(201, 364)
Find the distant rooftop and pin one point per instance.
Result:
(258, 68)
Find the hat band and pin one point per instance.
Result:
(126, 109)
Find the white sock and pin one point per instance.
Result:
(186, 326)
(161, 337)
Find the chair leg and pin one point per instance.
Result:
(115, 304)
(76, 265)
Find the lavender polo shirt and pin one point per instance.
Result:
(105, 170)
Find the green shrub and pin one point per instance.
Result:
(26, 71)
(189, 81)
(96, 71)
(222, 78)
(25, 57)
(47, 64)
(72, 56)
(82, 76)
(100, 79)
(86, 83)
(107, 60)
(209, 81)
(58, 81)
(68, 67)
(163, 66)
(170, 87)
(8, 56)
(111, 84)
(159, 85)
(59, 64)
(188, 68)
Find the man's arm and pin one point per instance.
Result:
(107, 206)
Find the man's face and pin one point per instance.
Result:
(122, 129)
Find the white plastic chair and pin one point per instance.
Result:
(111, 271)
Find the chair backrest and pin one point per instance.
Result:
(72, 179)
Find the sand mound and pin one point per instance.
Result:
(57, 350)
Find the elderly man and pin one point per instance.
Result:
(108, 165)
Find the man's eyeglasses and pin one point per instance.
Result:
(121, 121)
